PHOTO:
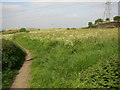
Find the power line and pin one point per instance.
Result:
(108, 10)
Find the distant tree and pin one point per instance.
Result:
(38, 29)
(98, 20)
(68, 28)
(116, 18)
(107, 19)
(22, 30)
(73, 28)
(90, 24)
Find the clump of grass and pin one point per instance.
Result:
(12, 59)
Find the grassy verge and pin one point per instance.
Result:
(58, 64)
(12, 59)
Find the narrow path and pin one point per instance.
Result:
(21, 80)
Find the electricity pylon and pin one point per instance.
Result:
(108, 10)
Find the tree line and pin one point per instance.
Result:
(99, 20)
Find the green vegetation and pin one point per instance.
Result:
(99, 20)
(68, 28)
(22, 30)
(10, 32)
(12, 59)
(116, 18)
(105, 74)
(107, 19)
(0, 63)
(73, 58)
(14, 31)
(73, 28)
(90, 24)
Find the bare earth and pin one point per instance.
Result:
(22, 79)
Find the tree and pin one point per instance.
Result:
(22, 30)
(90, 24)
(98, 20)
(116, 18)
(107, 19)
(68, 28)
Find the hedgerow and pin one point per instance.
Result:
(12, 59)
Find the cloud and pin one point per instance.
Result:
(43, 14)
(0, 7)
(58, 0)
(0, 16)
(41, 4)
(73, 15)
(11, 7)
(48, 4)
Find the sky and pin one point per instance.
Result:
(51, 13)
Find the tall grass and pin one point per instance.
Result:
(58, 64)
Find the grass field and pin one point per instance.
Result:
(72, 58)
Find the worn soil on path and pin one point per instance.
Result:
(22, 79)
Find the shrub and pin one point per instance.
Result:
(107, 19)
(98, 21)
(105, 74)
(12, 59)
(22, 30)
(68, 28)
(90, 24)
(116, 18)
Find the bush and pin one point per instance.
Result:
(105, 74)
(116, 18)
(12, 59)
(107, 19)
(68, 28)
(99, 20)
(90, 24)
(22, 30)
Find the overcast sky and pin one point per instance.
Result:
(51, 14)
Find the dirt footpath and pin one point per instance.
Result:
(22, 79)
